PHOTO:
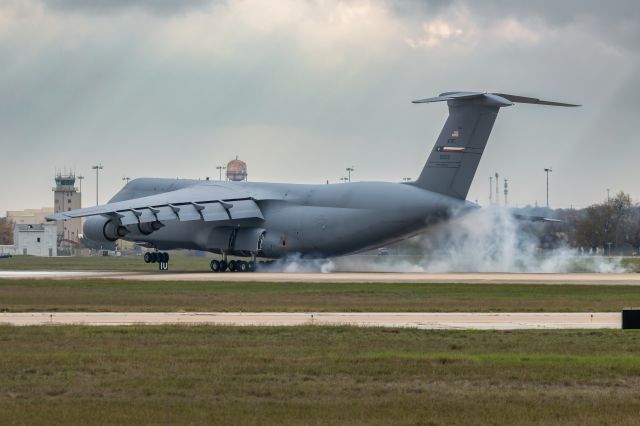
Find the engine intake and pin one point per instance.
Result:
(103, 229)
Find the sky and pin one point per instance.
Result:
(301, 90)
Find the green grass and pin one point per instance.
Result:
(316, 375)
(132, 295)
(179, 262)
(631, 264)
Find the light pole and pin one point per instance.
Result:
(490, 190)
(547, 171)
(126, 178)
(80, 178)
(344, 179)
(349, 170)
(220, 169)
(608, 198)
(497, 189)
(506, 191)
(406, 179)
(97, 168)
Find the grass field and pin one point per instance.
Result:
(121, 295)
(316, 375)
(308, 375)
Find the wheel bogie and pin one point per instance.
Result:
(156, 257)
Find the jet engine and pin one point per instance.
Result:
(103, 229)
(147, 228)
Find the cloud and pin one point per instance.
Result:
(159, 7)
(174, 88)
(615, 24)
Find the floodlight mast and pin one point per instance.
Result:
(349, 170)
(547, 171)
(220, 169)
(490, 190)
(97, 168)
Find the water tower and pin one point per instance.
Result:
(236, 170)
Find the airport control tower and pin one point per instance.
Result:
(67, 197)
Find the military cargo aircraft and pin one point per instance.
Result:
(254, 220)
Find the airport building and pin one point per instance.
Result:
(66, 197)
(34, 240)
(29, 216)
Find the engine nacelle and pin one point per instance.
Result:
(147, 228)
(103, 229)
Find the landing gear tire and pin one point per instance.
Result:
(215, 266)
(154, 257)
(233, 266)
(242, 267)
(223, 266)
(251, 266)
(147, 257)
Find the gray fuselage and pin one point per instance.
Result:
(306, 220)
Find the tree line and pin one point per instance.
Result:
(611, 227)
(6, 232)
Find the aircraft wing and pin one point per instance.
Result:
(208, 203)
(535, 218)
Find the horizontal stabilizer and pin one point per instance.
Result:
(525, 100)
(493, 99)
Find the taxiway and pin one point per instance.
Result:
(340, 277)
(421, 320)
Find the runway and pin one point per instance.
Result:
(340, 277)
(431, 321)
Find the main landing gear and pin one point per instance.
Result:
(233, 265)
(156, 257)
(161, 258)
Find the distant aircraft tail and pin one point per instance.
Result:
(455, 157)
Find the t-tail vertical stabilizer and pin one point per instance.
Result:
(455, 157)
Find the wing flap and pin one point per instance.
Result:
(128, 218)
(166, 213)
(213, 212)
(188, 212)
(245, 209)
(148, 215)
